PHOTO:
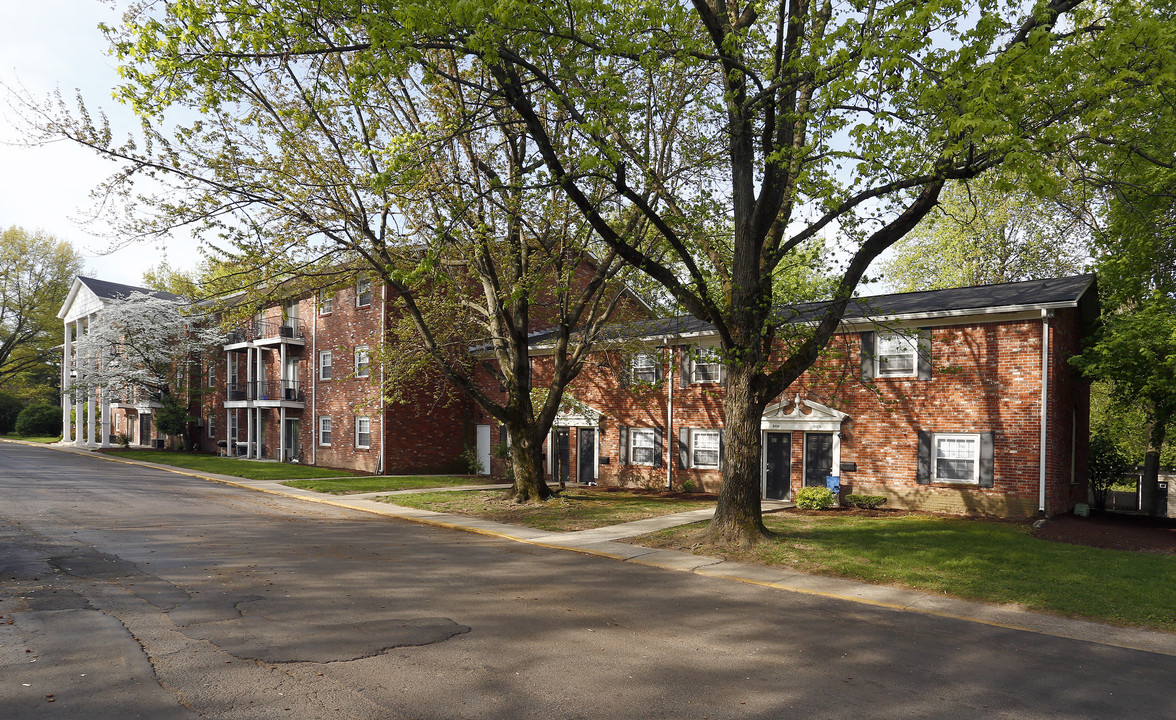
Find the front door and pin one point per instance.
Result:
(144, 429)
(777, 465)
(585, 455)
(293, 426)
(483, 449)
(818, 458)
(562, 455)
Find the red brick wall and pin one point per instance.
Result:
(986, 378)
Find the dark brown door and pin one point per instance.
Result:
(777, 465)
(818, 458)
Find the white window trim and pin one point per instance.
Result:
(649, 368)
(975, 438)
(211, 422)
(362, 286)
(693, 446)
(912, 342)
(368, 444)
(706, 356)
(362, 351)
(327, 420)
(633, 434)
(329, 365)
(326, 303)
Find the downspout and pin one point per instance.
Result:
(669, 417)
(383, 401)
(1045, 315)
(314, 380)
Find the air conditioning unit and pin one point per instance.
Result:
(286, 331)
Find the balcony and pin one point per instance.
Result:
(266, 332)
(265, 393)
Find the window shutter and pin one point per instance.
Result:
(625, 374)
(723, 375)
(924, 473)
(986, 444)
(867, 356)
(684, 370)
(659, 371)
(924, 353)
(722, 446)
(683, 448)
(623, 439)
(658, 441)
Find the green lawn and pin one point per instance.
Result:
(251, 469)
(348, 486)
(34, 438)
(574, 509)
(989, 561)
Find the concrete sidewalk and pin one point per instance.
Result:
(602, 542)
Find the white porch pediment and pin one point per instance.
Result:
(819, 418)
(574, 413)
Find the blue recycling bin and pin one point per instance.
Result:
(833, 482)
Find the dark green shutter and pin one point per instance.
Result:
(658, 439)
(683, 448)
(867, 356)
(684, 368)
(986, 455)
(924, 353)
(623, 439)
(924, 472)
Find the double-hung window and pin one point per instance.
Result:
(326, 302)
(704, 449)
(363, 432)
(955, 458)
(642, 446)
(324, 430)
(706, 367)
(363, 293)
(362, 362)
(324, 365)
(897, 355)
(644, 367)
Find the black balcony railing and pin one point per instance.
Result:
(265, 329)
(266, 390)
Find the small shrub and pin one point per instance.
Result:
(10, 406)
(865, 502)
(473, 463)
(123, 439)
(814, 498)
(39, 420)
(687, 485)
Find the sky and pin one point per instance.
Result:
(50, 45)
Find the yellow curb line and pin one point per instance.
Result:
(636, 560)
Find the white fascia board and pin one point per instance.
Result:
(959, 317)
(69, 299)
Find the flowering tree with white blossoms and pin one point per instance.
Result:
(143, 342)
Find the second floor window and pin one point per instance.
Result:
(326, 302)
(362, 362)
(325, 365)
(363, 293)
(896, 355)
(706, 367)
(645, 367)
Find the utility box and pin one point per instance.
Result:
(1162, 497)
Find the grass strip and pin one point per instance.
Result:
(990, 561)
(34, 438)
(236, 467)
(348, 486)
(574, 509)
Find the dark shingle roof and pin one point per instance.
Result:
(117, 291)
(1028, 294)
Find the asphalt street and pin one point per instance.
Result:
(130, 592)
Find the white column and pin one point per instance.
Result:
(282, 433)
(66, 392)
(250, 394)
(79, 396)
(230, 449)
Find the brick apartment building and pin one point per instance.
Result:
(955, 400)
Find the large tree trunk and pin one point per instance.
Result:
(1149, 482)
(738, 519)
(526, 461)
